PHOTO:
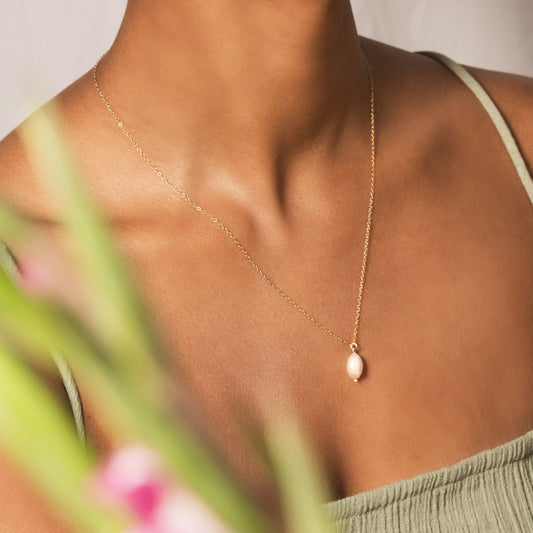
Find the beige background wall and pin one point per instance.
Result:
(496, 34)
(46, 44)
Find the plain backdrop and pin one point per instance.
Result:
(47, 44)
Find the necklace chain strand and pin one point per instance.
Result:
(353, 344)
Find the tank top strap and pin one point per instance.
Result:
(495, 114)
(9, 266)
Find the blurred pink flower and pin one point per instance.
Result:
(35, 276)
(45, 273)
(133, 477)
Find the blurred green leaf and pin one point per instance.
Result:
(122, 363)
(127, 394)
(35, 323)
(43, 439)
(300, 484)
(124, 324)
(12, 224)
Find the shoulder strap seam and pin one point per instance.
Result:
(495, 114)
(71, 388)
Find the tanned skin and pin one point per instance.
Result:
(259, 110)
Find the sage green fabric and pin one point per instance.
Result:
(490, 492)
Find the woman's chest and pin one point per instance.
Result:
(444, 334)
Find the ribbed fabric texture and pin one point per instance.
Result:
(490, 492)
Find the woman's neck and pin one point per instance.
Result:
(249, 85)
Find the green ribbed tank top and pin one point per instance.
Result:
(490, 492)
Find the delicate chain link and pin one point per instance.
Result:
(232, 236)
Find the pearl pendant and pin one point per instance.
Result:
(354, 366)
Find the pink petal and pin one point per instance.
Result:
(142, 529)
(132, 477)
(183, 512)
(35, 276)
(144, 500)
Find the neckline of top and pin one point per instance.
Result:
(517, 449)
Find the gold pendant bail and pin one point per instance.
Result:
(354, 347)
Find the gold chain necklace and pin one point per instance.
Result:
(354, 363)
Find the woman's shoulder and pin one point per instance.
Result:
(513, 95)
(18, 178)
(21, 183)
(428, 81)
